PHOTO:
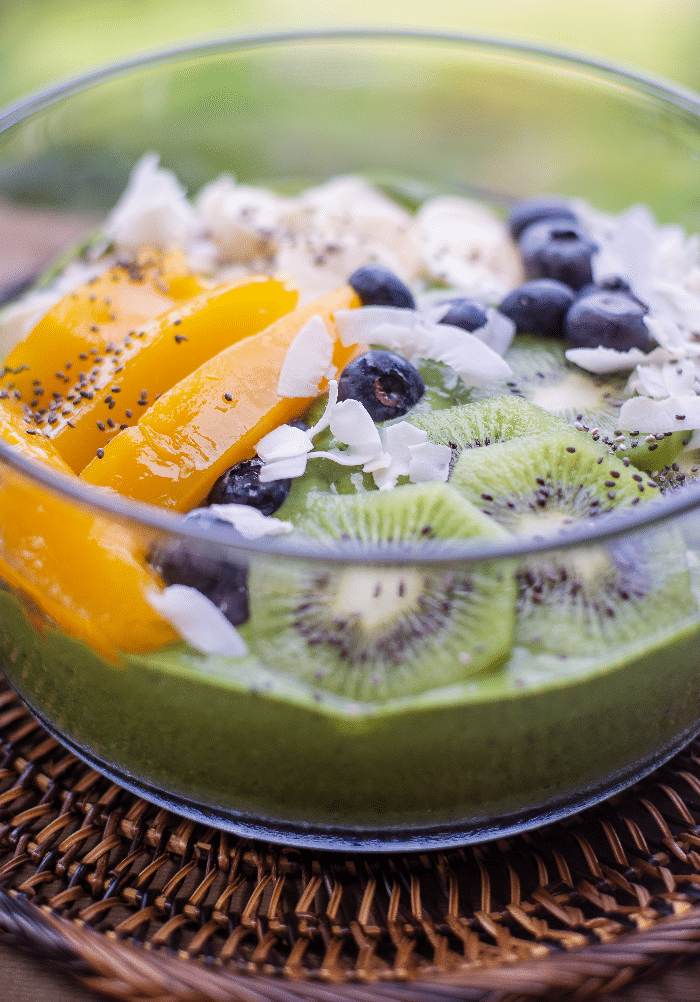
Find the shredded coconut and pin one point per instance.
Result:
(153, 211)
(250, 522)
(309, 360)
(198, 621)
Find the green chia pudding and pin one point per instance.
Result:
(392, 596)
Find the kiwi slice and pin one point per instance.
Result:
(682, 471)
(599, 598)
(537, 485)
(543, 375)
(591, 598)
(373, 632)
(485, 422)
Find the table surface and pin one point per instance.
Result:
(28, 241)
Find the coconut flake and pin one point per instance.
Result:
(498, 331)
(250, 522)
(245, 222)
(308, 361)
(351, 423)
(649, 381)
(411, 455)
(325, 419)
(472, 360)
(415, 335)
(198, 621)
(605, 360)
(657, 416)
(429, 461)
(153, 211)
(465, 245)
(283, 443)
(358, 326)
(398, 440)
(332, 230)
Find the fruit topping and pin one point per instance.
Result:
(215, 417)
(111, 389)
(626, 592)
(543, 375)
(376, 285)
(373, 632)
(536, 210)
(484, 422)
(384, 383)
(84, 571)
(465, 313)
(609, 319)
(593, 599)
(535, 486)
(185, 563)
(558, 249)
(241, 485)
(87, 321)
(539, 307)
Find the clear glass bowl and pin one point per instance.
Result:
(239, 745)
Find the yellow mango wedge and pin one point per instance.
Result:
(90, 319)
(123, 382)
(84, 571)
(214, 417)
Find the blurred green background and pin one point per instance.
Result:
(44, 40)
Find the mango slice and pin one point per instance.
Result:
(126, 379)
(90, 319)
(24, 437)
(85, 571)
(214, 417)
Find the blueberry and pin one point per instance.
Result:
(558, 249)
(615, 283)
(376, 285)
(539, 307)
(385, 383)
(608, 318)
(465, 313)
(186, 563)
(537, 209)
(240, 484)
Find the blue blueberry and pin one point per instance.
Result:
(539, 307)
(537, 209)
(465, 313)
(614, 283)
(186, 563)
(386, 384)
(240, 484)
(608, 318)
(558, 249)
(377, 285)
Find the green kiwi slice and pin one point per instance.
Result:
(543, 375)
(682, 471)
(593, 598)
(373, 632)
(485, 422)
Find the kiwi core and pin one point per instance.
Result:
(374, 601)
(574, 392)
(543, 522)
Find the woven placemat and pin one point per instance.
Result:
(140, 903)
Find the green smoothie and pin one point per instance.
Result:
(258, 749)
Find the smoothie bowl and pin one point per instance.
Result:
(346, 475)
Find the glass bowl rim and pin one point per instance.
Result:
(603, 529)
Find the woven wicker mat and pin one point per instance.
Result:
(149, 905)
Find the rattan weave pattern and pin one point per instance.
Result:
(148, 905)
